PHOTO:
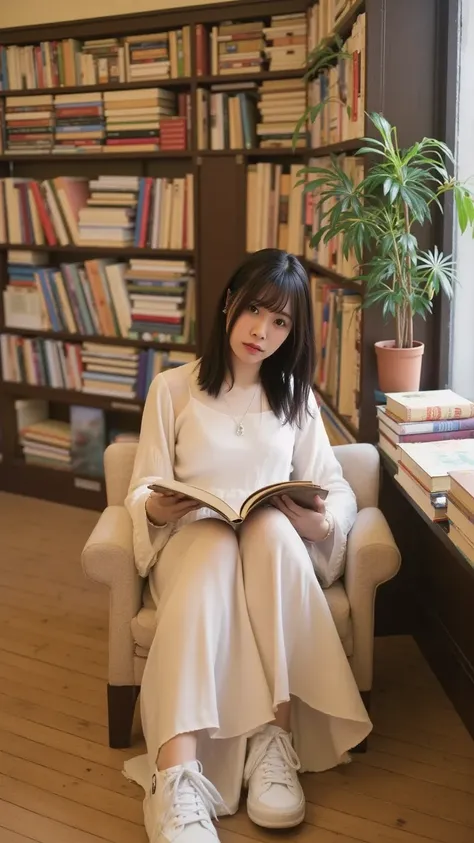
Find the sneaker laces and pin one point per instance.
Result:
(274, 751)
(189, 797)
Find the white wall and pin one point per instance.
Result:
(29, 12)
(462, 358)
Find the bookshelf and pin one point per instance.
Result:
(220, 193)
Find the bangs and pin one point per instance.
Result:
(274, 293)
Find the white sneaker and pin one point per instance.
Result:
(275, 797)
(179, 806)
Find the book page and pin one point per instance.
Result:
(301, 492)
(206, 498)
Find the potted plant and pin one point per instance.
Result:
(378, 220)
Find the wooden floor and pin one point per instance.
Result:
(60, 783)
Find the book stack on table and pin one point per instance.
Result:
(428, 435)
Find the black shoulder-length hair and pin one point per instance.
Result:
(270, 278)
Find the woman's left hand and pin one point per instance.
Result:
(310, 524)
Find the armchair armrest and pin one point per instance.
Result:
(372, 558)
(108, 558)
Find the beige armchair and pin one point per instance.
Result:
(372, 558)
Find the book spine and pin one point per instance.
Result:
(435, 413)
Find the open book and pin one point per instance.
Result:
(301, 492)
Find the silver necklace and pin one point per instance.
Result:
(239, 427)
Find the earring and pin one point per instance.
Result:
(225, 310)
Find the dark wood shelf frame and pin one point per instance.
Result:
(180, 82)
(336, 277)
(69, 396)
(54, 158)
(101, 251)
(64, 336)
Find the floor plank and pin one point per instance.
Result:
(59, 780)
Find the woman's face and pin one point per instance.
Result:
(259, 332)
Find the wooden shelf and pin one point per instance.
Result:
(348, 283)
(257, 152)
(101, 251)
(70, 396)
(183, 82)
(256, 76)
(76, 156)
(64, 336)
(351, 145)
(19, 477)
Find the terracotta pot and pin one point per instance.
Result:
(399, 369)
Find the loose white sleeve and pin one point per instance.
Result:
(154, 460)
(314, 459)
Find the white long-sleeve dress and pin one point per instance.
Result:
(242, 620)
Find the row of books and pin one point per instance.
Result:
(337, 314)
(71, 62)
(248, 47)
(144, 299)
(430, 437)
(119, 211)
(143, 119)
(110, 371)
(329, 254)
(275, 208)
(246, 115)
(342, 90)
(76, 445)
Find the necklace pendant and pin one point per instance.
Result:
(240, 429)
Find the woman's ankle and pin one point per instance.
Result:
(177, 751)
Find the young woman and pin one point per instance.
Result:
(246, 681)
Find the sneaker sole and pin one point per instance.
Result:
(263, 822)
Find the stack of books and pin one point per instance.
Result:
(47, 443)
(109, 370)
(287, 36)
(161, 295)
(101, 62)
(461, 512)
(29, 124)
(173, 133)
(427, 435)
(132, 118)
(237, 48)
(79, 123)
(282, 104)
(425, 416)
(159, 55)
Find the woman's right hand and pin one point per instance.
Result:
(165, 508)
